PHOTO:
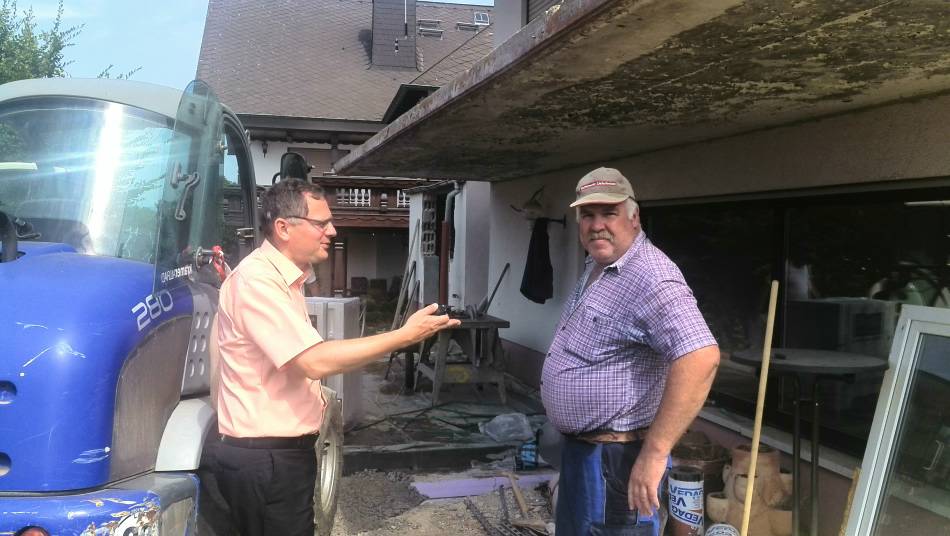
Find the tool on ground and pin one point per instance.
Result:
(480, 517)
(759, 409)
(409, 272)
(527, 522)
(483, 306)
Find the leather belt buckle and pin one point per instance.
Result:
(613, 436)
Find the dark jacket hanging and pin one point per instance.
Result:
(537, 284)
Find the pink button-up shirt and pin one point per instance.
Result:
(262, 325)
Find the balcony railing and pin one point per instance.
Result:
(402, 199)
(354, 197)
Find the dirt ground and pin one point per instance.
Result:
(372, 503)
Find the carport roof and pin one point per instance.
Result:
(596, 80)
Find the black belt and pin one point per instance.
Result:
(299, 442)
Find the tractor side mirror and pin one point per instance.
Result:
(292, 165)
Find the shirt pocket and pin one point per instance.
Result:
(595, 336)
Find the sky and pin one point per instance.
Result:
(161, 38)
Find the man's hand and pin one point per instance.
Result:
(424, 324)
(644, 482)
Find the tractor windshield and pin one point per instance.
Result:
(86, 172)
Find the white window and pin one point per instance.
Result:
(481, 18)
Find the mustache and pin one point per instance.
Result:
(603, 235)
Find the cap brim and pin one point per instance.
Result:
(600, 198)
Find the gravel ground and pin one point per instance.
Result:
(376, 504)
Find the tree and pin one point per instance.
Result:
(28, 53)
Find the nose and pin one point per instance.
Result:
(331, 230)
(597, 222)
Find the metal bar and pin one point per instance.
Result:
(814, 459)
(796, 458)
(480, 517)
(505, 516)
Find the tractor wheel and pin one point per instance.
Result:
(329, 464)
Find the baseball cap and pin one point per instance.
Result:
(603, 185)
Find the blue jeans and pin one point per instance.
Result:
(592, 495)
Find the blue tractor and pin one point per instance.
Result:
(120, 204)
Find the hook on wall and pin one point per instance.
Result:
(534, 211)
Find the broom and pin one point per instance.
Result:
(759, 408)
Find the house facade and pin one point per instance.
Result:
(319, 78)
(800, 142)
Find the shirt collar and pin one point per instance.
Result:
(285, 267)
(625, 258)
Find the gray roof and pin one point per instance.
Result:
(459, 60)
(311, 59)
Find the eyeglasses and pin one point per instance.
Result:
(318, 224)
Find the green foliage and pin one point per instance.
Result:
(107, 73)
(26, 52)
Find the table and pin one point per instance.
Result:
(806, 367)
(481, 345)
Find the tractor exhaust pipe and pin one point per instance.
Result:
(8, 238)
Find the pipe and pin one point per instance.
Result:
(447, 223)
(8, 238)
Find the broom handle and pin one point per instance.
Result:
(759, 408)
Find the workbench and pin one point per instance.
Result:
(482, 359)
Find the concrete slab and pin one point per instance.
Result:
(597, 80)
(403, 431)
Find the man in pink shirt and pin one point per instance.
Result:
(271, 361)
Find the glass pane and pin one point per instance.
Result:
(234, 213)
(916, 492)
(725, 255)
(191, 201)
(849, 268)
(85, 173)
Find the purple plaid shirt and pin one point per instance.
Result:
(613, 346)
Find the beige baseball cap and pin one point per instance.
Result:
(603, 185)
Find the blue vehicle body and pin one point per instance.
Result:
(106, 302)
(64, 359)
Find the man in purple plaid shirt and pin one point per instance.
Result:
(630, 366)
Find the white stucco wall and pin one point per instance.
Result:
(468, 270)
(373, 253)
(360, 255)
(892, 143)
(531, 323)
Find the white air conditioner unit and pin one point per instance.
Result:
(336, 319)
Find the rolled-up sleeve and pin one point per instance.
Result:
(272, 320)
(677, 327)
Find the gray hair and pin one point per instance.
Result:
(285, 199)
(632, 209)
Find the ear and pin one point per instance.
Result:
(282, 230)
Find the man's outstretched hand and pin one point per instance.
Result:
(424, 323)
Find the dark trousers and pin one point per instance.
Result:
(592, 495)
(268, 491)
